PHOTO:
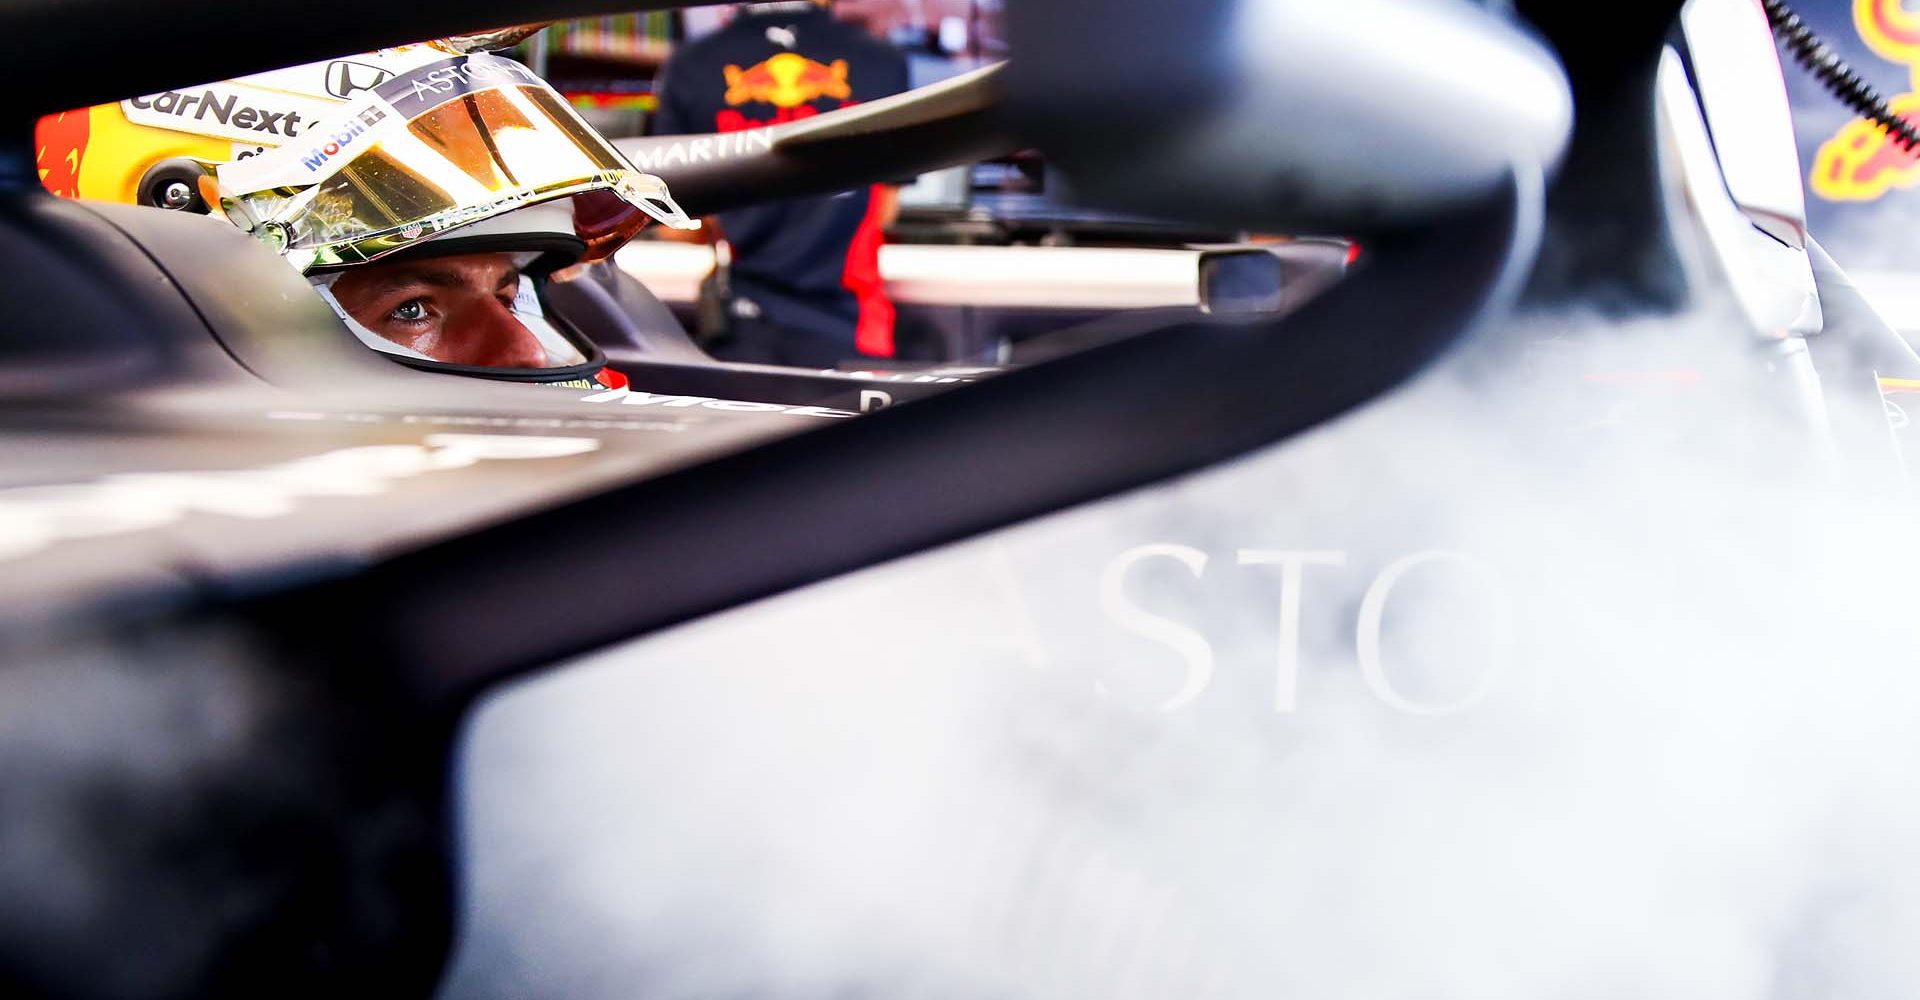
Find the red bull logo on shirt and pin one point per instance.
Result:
(787, 80)
(1861, 162)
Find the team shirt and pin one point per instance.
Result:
(810, 264)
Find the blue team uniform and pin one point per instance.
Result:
(805, 279)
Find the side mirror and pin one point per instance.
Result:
(1268, 280)
(1219, 111)
(1241, 282)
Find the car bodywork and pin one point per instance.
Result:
(219, 510)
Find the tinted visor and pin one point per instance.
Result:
(428, 153)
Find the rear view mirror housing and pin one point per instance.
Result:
(1270, 279)
(1241, 282)
(1219, 111)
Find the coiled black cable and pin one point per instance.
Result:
(1833, 72)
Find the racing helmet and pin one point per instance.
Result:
(411, 153)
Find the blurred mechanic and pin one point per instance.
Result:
(801, 280)
(428, 192)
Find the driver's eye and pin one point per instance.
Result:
(413, 311)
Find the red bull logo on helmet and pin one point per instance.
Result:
(60, 143)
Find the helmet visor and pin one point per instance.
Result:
(448, 145)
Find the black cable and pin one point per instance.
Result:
(1833, 72)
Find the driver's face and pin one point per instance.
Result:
(458, 310)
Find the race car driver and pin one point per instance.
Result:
(439, 303)
(427, 193)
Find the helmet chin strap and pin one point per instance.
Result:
(561, 352)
